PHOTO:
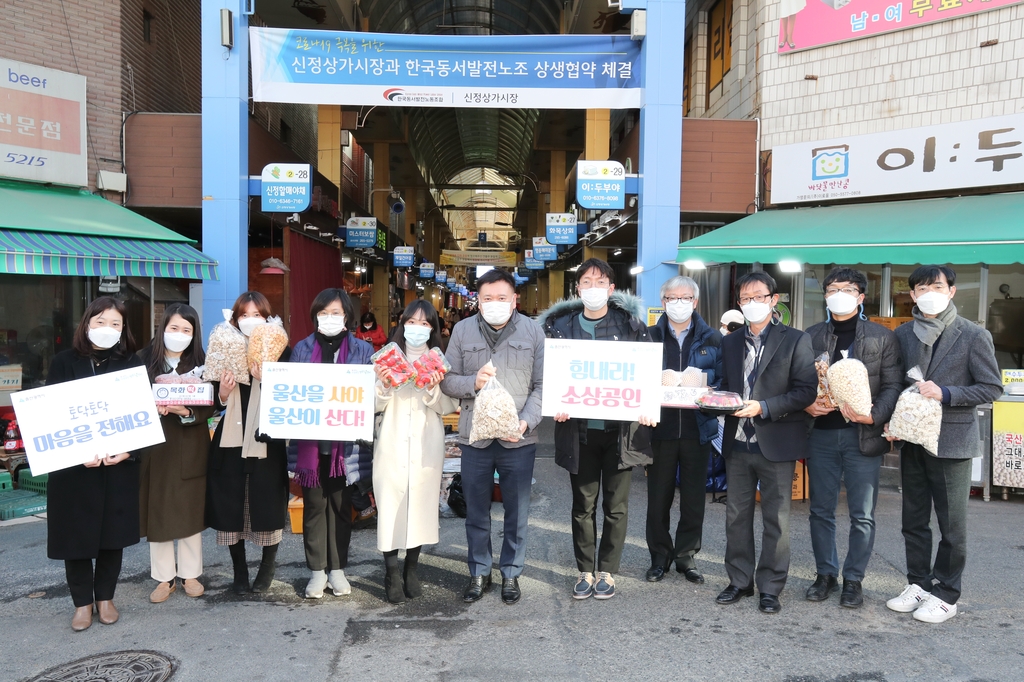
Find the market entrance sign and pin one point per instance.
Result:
(385, 69)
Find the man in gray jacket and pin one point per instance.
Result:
(958, 362)
(513, 344)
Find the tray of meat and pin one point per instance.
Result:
(719, 402)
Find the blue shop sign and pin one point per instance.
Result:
(600, 184)
(286, 187)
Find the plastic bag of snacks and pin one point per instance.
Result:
(431, 361)
(226, 352)
(267, 342)
(719, 402)
(917, 419)
(848, 383)
(824, 394)
(397, 366)
(494, 413)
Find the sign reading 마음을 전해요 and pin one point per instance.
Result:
(286, 187)
(317, 402)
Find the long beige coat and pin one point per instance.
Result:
(407, 461)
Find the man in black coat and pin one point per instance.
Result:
(772, 367)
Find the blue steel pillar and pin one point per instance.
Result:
(225, 157)
(660, 142)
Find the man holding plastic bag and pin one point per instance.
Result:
(497, 359)
(958, 368)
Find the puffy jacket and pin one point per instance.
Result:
(706, 355)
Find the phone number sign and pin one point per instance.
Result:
(600, 184)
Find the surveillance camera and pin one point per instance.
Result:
(397, 205)
(310, 226)
(293, 218)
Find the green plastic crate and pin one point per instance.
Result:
(31, 504)
(37, 484)
(6, 483)
(10, 496)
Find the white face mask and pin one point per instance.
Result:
(841, 303)
(496, 313)
(724, 330)
(932, 303)
(416, 335)
(679, 311)
(594, 298)
(367, 326)
(330, 325)
(104, 337)
(755, 311)
(176, 342)
(247, 324)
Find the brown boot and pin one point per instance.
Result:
(108, 612)
(82, 618)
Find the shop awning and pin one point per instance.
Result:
(960, 230)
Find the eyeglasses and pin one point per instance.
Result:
(760, 298)
(852, 291)
(678, 299)
(587, 283)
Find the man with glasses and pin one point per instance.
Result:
(772, 367)
(682, 439)
(958, 362)
(845, 445)
(599, 455)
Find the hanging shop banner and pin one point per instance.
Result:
(441, 277)
(470, 258)
(317, 402)
(493, 71)
(619, 380)
(361, 233)
(542, 250)
(839, 21)
(405, 256)
(287, 187)
(980, 153)
(530, 262)
(560, 228)
(74, 422)
(42, 125)
(600, 184)
(427, 270)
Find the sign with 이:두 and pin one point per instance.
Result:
(317, 401)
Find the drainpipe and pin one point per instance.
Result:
(885, 292)
(757, 167)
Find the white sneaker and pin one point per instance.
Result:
(909, 600)
(339, 584)
(316, 584)
(934, 610)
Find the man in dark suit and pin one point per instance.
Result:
(772, 367)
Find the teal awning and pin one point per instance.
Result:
(960, 230)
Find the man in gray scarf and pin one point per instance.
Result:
(957, 360)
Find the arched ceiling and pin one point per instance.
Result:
(464, 17)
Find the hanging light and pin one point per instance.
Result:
(274, 266)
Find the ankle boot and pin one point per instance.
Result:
(413, 588)
(268, 566)
(393, 588)
(241, 583)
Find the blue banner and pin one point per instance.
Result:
(361, 237)
(545, 252)
(427, 270)
(405, 256)
(533, 264)
(600, 184)
(441, 276)
(560, 228)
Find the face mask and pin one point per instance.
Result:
(367, 326)
(932, 303)
(679, 311)
(247, 324)
(330, 325)
(755, 311)
(594, 298)
(416, 335)
(724, 330)
(841, 303)
(176, 342)
(496, 313)
(104, 337)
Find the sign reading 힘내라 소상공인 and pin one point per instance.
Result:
(980, 153)
(490, 71)
(317, 402)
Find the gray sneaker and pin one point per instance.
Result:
(584, 587)
(605, 587)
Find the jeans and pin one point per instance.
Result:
(515, 477)
(692, 460)
(835, 455)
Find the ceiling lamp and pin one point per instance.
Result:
(274, 266)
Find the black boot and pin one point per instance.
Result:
(268, 565)
(413, 588)
(393, 578)
(241, 583)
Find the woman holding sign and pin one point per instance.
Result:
(93, 508)
(328, 471)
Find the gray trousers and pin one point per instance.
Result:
(744, 470)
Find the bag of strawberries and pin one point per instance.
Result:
(431, 361)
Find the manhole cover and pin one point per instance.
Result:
(114, 666)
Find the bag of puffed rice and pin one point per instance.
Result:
(848, 383)
(917, 419)
(226, 352)
(267, 342)
(824, 395)
(494, 414)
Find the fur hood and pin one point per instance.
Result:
(625, 301)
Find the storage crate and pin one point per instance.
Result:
(13, 507)
(37, 484)
(295, 510)
(6, 482)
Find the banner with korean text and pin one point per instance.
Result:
(74, 422)
(616, 380)
(317, 402)
(494, 71)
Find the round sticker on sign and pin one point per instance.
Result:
(162, 393)
(785, 316)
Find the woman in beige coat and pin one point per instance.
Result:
(408, 457)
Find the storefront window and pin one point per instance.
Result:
(1005, 313)
(968, 282)
(814, 295)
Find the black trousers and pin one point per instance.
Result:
(599, 473)
(327, 521)
(692, 460)
(88, 585)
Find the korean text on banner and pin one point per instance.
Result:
(74, 422)
(317, 402)
(615, 380)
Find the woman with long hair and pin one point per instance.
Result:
(172, 476)
(371, 332)
(93, 508)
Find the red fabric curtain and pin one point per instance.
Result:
(315, 266)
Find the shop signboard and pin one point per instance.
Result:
(560, 228)
(980, 153)
(361, 233)
(1008, 444)
(405, 256)
(1013, 376)
(653, 315)
(542, 250)
(530, 262)
(503, 259)
(42, 125)
(427, 270)
(600, 184)
(441, 277)
(286, 187)
(317, 402)
(306, 66)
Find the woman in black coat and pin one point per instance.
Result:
(93, 508)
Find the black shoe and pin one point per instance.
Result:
(240, 585)
(510, 592)
(655, 573)
(413, 588)
(852, 596)
(478, 584)
(393, 587)
(769, 603)
(693, 575)
(823, 586)
(733, 594)
(268, 566)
